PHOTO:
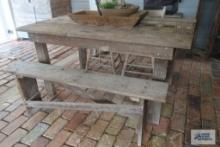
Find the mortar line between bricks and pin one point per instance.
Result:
(18, 127)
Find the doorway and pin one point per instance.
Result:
(7, 27)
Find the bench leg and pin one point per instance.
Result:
(153, 112)
(83, 57)
(141, 124)
(43, 57)
(28, 88)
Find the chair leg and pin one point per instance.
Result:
(112, 63)
(99, 56)
(125, 65)
(88, 60)
(82, 57)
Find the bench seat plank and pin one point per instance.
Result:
(127, 86)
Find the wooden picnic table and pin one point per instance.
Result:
(157, 42)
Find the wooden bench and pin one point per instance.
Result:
(146, 90)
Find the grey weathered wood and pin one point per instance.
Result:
(141, 123)
(128, 64)
(82, 57)
(43, 57)
(117, 47)
(144, 89)
(160, 69)
(42, 53)
(125, 65)
(28, 88)
(139, 73)
(179, 25)
(148, 66)
(102, 55)
(129, 109)
(65, 27)
(153, 112)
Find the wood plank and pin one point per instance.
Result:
(149, 66)
(28, 88)
(65, 27)
(42, 53)
(139, 73)
(160, 69)
(43, 57)
(144, 89)
(117, 47)
(127, 109)
(83, 57)
(178, 24)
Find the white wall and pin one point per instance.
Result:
(78, 5)
(139, 3)
(3, 35)
(189, 8)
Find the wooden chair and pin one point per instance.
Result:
(136, 65)
(148, 69)
(145, 67)
(104, 58)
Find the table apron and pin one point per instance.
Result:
(165, 53)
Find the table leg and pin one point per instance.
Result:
(160, 69)
(43, 57)
(28, 88)
(82, 57)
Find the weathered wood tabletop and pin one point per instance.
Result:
(144, 35)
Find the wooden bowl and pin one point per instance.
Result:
(131, 9)
(92, 18)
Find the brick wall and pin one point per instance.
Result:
(60, 7)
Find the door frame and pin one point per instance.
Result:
(7, 22)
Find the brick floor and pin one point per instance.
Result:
(193, 102)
